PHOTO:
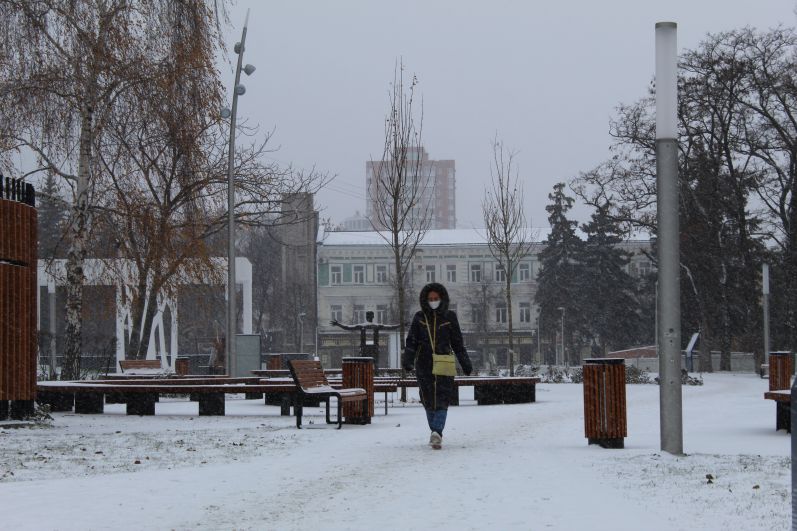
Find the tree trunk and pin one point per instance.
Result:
(75, 274)
(401, 302)
(511, 354)
(725, 339)
(136, 314)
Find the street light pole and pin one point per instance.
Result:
(669, 300)
(301, 332)
(765, 301)
(238, 90)
(561, 309)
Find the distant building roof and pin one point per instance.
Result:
(432, 237)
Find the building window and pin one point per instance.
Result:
(644, 268)
(451, 273)
(525, 312)
(500, 312)
(381, 274)
(524, 271)
(359, 274)
(336, 312)
(381, 313)
(500, 273)
(430, 273)
(359, 313)
(476, 314)
(475, 273)
(336, 272)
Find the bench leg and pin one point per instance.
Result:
(487, 395)
(89, 403)
(285, 404)
(783, 416)
(141, 403)
(211, 404)
(385, 403)
(21, 409)
(340, 413)
(329, 420)
(3, 409)
(56, 401)
(297, 408)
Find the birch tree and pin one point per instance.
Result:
(65, 63)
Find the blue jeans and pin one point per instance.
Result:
(437, 419)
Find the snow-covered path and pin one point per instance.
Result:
(523, 466)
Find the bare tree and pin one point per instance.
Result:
(399, 185)
(508, 237)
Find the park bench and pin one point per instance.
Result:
(782, 400)
(311, 382)
(489, 390)
(140, 396)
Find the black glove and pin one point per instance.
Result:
(408, 367)
(467, 369)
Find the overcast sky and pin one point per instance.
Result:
(545, 76)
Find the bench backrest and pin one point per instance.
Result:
(307, 373)
(127, 365)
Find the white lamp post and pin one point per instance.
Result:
(669, 300)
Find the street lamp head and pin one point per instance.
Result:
(249, 69)
(225, 113)
(240, 89)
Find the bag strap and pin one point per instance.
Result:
(432, 338)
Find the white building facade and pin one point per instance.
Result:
(355, 272)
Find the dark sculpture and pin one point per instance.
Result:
(366, 349)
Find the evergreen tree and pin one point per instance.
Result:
(558, 280)
(612, 315)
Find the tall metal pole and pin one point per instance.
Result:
(765, 301)
(232, 362)
(669, 300)
(539, 343)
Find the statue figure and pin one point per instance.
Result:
(371, 350)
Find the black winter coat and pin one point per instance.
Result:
(442, 325)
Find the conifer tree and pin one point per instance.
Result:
(558, 279)
(607, 295)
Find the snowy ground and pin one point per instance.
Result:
(523, 466)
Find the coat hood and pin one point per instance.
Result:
(441, 290)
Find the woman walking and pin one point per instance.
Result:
(433, 341)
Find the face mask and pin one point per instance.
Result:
(434, 304)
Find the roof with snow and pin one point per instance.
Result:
(432, 237)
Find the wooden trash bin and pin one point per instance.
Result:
(781, 367)
(605, 422)
(358, 372)
(181, 365)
